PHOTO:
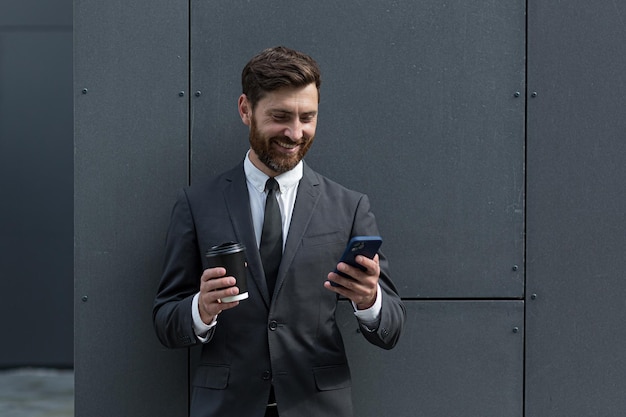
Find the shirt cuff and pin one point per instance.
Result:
(370, 316)
(199, 327)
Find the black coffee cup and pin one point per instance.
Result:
(232, 257)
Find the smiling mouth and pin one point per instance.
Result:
(287, 144)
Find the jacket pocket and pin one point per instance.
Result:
(211, 376)
(332, 377)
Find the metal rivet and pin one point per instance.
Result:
(85, 91)
(534, 94)
(515, 267)
(533, 296)
(85, 298)
(198, 93)
(517, 94)
(181, 94)
(515, 329)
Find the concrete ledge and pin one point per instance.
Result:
(30, 392)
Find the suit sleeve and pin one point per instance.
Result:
(180, 281)
(393, 312)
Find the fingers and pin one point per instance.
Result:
(213, 287)
(360, 286)
(212, 273)
(213, 279)
(348, 285)
(372, 268)
(210, 302)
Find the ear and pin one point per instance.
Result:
(245, 110)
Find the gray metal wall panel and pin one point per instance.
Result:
(36, 205)
(576, 217)
(455, 358)
(131, 147)
(31, 13)
(418, 110)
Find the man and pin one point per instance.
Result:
(279, 352)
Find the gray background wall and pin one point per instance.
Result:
(36, 203)
(505, 227)
(575, 210)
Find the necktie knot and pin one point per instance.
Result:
(271, 185)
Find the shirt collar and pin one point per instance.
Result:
(257, 178)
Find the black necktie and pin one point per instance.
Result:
(271, 247)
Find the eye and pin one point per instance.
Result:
(280, 117)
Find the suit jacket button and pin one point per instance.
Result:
(273, 325)
(266, 375)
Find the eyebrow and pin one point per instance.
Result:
(290, 113)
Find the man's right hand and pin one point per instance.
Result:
(213, 287)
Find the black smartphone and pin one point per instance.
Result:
(359, 245)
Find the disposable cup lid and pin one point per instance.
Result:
(226, 248)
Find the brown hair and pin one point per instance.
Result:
(276, 68)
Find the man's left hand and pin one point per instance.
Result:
(361, 287)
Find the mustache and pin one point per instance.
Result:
(291, 141)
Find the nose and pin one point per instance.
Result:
(295, 130)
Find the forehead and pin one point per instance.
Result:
(290, 99)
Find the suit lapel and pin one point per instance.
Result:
(238, 204)
(306, 200)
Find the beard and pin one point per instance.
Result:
(270, 157)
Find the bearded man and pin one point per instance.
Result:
(279, 351)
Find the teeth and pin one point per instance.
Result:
(288, 145)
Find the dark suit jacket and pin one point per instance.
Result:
(290, 340)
